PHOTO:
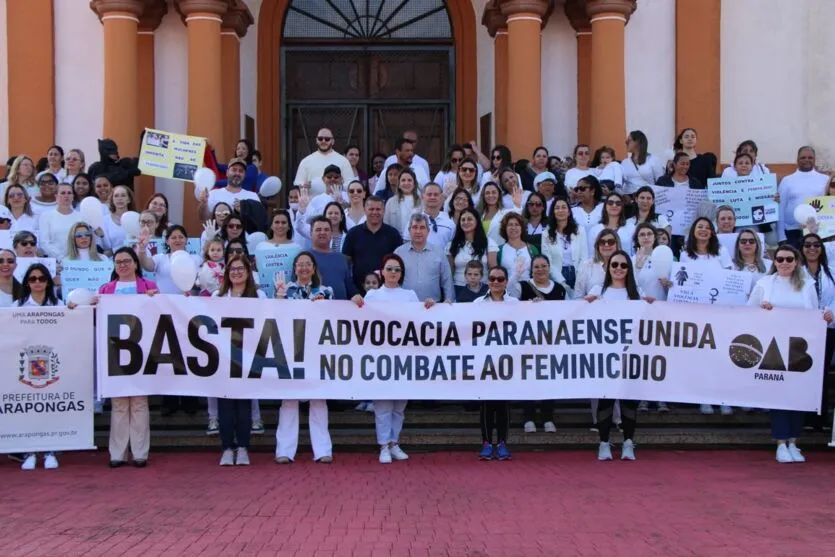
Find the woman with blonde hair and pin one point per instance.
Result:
(81, 244)
(75, 164)
(16, 198)
(121, 201)
(22, 173)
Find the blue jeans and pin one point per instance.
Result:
(569, 273)
(235, 422)
(786, 424)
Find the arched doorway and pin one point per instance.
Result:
(369, 70)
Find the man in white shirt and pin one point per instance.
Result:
(441, 227)
(314, 164)
(333, 192)
(417, 160)
(794, 190)
(232, 194)
(404, 154)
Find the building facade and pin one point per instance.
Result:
(520, 72)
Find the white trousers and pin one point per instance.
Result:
(388, 419)
(615, 412)
(212, 409)
(130, 426)
(287, 433)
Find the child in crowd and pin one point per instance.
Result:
(475, 288)
(210, 277)
(370, 282)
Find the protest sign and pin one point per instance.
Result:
(272, 260)
(283, 349)
(84, 274)
(171, 155)
(23, 264)
(824, 215)
(702, 283)
(680, 205)
(46, 390)
(6, 237)
(752, 197)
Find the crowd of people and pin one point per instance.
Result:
(486, 229)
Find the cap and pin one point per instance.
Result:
(233, 162)
(332, 169)
(544, 177)
(5, 213)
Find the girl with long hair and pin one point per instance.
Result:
(469, 242)
(564, 243)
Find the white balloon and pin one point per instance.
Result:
(80, 297)
(270, 187)
(130, 222)
(183, 272)
(91, 210)
(317, 186)
(252, 240)
(804, 212)
(204, 178)
(662, 261)
(178, 254)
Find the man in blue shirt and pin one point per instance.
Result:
(367, 243)
(332, 265)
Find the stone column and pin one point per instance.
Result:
(608, 81)
(575, 10)
(525, 19)
(496, 24)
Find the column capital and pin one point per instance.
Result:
(493, 18)
(575, 11)
(537, 8)
(152, 16)
(188, 7)
(624, 8)
(104, 7)
(238, 18)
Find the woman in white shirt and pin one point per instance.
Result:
(55, 163)
(619, 285)
(355, 212)
(703, 245)
(816, 263)
(645, 201)
(609, 171)
(495, 414)
(160, 264)
(448, 175)
(235, 415)
(81, 244)
(44, 198)
(280, 232)
(500, 158)
(406, 201)
(492, 210)
(516, 252)
(640, 168)
(787, 286)
(509, 182)
(469, 242)
(121, 201)
(10, 289)
(75, 165)
(592, 271)
(748, 255)
(38, 291)
(389, 414)
(747, 147)
(17, 200)
(22, 173)
(582, 156)
(613, 218)
(590, 207)
(466, 179)
(55, 225)
(564, 244)
(646, 240)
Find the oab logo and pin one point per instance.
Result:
(39, 366)
(746, 351)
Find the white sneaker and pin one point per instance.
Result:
(228, 458)
(530, 427)
(706, 409)
(30, 462)
(643, 406)
(360, 407)
(604, 452)
(627, 451)
(214, 427)
(550, 427)
(726, 410)
(796, 454)
(51, 463)
(385, 455)
(397, 453)
(783, 454)
(369, 407)
(242, 457)
(662, 407)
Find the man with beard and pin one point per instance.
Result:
(314, 164)
(232, 194)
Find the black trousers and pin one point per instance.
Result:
(172, 403)
(793, 237)
(628, 416)
(812, 419)
(546, 411)
(495, 414)
(235, 422)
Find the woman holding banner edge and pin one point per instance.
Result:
(785, 286)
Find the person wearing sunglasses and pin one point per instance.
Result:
(81, 244)
(10, 288)
(25, 244)
(609, 171)
(130, 424)
(613, 217)
(581, 169)
(448, 175)
(389, 414)
(815, 261)
(233, 228)
(500, 158)
(38, 290)
(55, 225)
(589, 208)
(313, 165)
(495, 414)
(44, 199)
(748, 257)
(466, 179)
(619, 285)
(20, 209)
(787, 286)
(355, 212)
(564, 243)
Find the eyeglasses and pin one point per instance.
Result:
(27, 243)
(535, 204)
(786, 259)
(580, 189)
(123, 262)
(607, 242)
(615, 265)
(392, 269)
(355, 191)
(466, 169)
(496, 278)
(320, 138)
(233, 226)
(8, 261)
(236, 251)
(614, 202)
(456, 160)
(16, 195)
(238, 269)
(148, 222)
(497, 157)
(752, 241)
(810, 245)
(82, 235)
(36, 278)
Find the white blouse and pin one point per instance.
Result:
(590, 273)
(779, 292)
(635, 175)
(464, 256)
(587, 220)
(625, 234)
(386, 294)
(613, 294)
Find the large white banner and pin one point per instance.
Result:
(274, 349)
(46, 388)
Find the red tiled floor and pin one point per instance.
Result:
(439, 504)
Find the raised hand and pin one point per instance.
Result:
(210, 228)
(304, 199)
(520, 267)
(280, 283)
(815, 203)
